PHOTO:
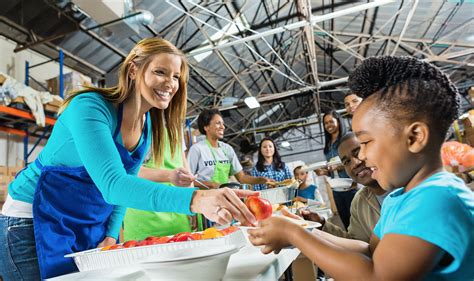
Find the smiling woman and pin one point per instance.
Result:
(73, 198)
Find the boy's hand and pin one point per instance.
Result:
(309, 216)
(273, 233)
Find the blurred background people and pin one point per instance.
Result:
(351, 102)
(269, 164)
(334, 129)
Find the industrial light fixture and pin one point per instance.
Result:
(285, 144)
(252, 102)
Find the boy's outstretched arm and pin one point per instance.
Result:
(397, 257)
(344, 243)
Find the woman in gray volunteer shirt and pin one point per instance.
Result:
(215, 161)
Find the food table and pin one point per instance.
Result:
(250, 264)
(247, 264)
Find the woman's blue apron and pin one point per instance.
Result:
(69, 212)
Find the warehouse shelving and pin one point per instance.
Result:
(17, 119)
(22, 123)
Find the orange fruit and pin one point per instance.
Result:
(211, 233)
(106, 248)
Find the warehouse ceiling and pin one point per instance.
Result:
(293, 56)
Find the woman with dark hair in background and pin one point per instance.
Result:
(334, 129)
(269, 164)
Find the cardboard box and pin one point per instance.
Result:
(72, 81)
(4, 181)
(468, 124)
(51, 106)
(2, 79)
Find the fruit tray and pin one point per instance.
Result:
(99, 259)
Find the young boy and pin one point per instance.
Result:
(426, 226)
(305, 191)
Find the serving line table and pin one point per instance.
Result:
(247, 264)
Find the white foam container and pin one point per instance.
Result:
(96, 259)
(280, 194)
(197, 264)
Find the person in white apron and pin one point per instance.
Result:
(214, 161)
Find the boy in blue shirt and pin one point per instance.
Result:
(305, 191)
(426, 226)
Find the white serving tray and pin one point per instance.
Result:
(96, 259)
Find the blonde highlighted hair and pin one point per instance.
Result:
(172, 117)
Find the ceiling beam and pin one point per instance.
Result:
(304, 7)
(405, 26)
(295, 25)
(404, 39)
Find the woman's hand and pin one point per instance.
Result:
(107, 242)
(273, 233)
(223, 205)
(181, 177)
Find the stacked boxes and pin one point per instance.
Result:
(72, 81)
(3, 184)
(7, 175)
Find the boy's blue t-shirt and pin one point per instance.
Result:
(440, 210)
(308, 192)
(83, 136)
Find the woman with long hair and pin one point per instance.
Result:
(269, 164)
(73, 197)
(334, 130)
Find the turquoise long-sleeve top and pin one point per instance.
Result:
(83, 136)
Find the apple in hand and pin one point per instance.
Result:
(260, 208)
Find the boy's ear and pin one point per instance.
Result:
(418, 134)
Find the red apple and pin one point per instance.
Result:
(151, 238)
(180, 237)
(259, 207)
(116, 246)
(161, 240)
(130, 244)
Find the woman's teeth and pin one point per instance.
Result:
(162, 94)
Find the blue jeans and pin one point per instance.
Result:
(18, 260)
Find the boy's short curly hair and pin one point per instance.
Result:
(205, 117)
(408, 89)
